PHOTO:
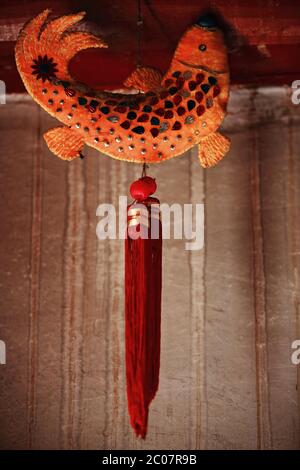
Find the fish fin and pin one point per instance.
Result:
(212, 149)
(144, 79)
(64, 142)
(76, 41)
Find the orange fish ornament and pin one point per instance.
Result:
(169, 114)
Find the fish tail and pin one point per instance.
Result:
(39, 39)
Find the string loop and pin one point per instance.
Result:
(139, 23)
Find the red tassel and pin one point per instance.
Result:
(143, 281)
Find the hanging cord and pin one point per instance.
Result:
(160, 23)
(144, 170)
(139, 24)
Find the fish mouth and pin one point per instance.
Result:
(202, 67)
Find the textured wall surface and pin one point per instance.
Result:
(230, 311)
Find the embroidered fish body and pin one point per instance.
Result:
(168, 116)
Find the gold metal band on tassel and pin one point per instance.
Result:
(135, 216)
(134, 222)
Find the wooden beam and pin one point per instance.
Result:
(263, 39)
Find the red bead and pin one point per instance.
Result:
(179, 82)
(199, 96)
(192, 85)
(125, 124)
(90, 108)
(120, 109)
(143, 188)
(177, 99)
(160, 111)
(200, 110)
(151, 182)
(216, 91)
(154, 131)
(200, 77)
(180, 110)
(177, 126)
(70, 91)
(169, 114)
(143, 118)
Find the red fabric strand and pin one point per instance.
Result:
(143, 282)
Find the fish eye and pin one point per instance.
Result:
(202, 47)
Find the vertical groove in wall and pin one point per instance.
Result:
(192, 351)
(35, 260)
(294, 242)
(114, 301)
(109, 403)
(198, 407)
(89, 321)
(202, 439)
(264, 437)
(113, 293)
(72, 319)
(112, 272)
(103, 289)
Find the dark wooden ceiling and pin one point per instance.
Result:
(263, 37)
